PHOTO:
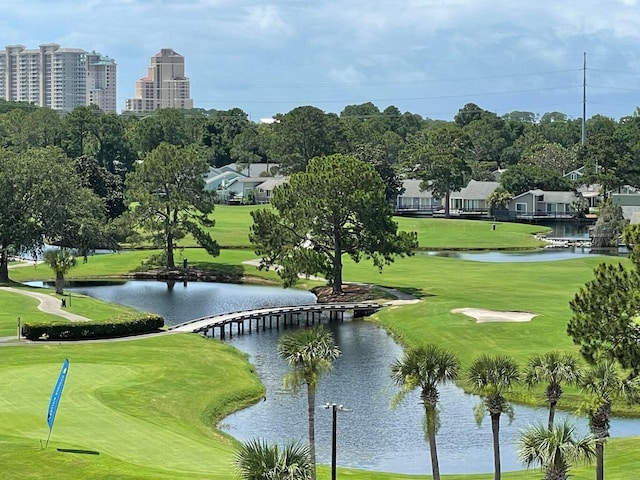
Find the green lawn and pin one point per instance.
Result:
(16, 305)
(233, 222)
(147, 405)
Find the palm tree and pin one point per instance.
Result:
(554, 369)
(426, 367)
(603, 383)
(310, 353)
(257, 460)
(555, 449)
(60, 261)
(491, 378)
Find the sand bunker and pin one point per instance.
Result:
(483, 316)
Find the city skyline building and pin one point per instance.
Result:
(57, 78)
(165, 85)
(101, 82)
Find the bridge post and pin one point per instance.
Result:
(222, 331)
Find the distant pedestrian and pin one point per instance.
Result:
(64, 303)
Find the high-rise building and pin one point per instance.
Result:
(101, 82)
(57, 78)
(165, 85)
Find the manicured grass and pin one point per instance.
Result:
(149, 407)
(16, 305)
(233, 223)
(455, 234)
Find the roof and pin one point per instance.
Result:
(476, 190)
(551, 196)
(271, 183)
(412, 189)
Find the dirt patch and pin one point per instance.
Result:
(350, 293)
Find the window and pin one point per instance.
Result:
(521, 208)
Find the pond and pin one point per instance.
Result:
(371, 435)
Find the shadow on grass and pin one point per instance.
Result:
(75, 450)
(235, 270)
(415, 292)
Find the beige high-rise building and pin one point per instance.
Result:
(55, 77)
(165, 85)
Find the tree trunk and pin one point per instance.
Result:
(495, 429)
(430, 412)
(447, 210)
(170, 260)
(59, 283)
(4, 266)
(600, 459)
(311, 412)
(337, 261)
(552, 414)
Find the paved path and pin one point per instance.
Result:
(48, 304)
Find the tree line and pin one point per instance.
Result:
(88, 179)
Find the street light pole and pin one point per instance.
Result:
(334, 434)
(334, 438)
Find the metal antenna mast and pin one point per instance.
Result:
(584, 98)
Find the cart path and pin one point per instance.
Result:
(48, 304)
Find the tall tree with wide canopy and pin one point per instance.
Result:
(438, 158)
(603, 384)
(167, 190)
(336, 207)
(40, 195)
(310, 354)
(555, 449)
(426, 368)
(258, 460)
(552, 369)
(302, 134)
(492, 377)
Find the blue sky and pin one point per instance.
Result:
(429, 57)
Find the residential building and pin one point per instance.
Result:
(101, 82)
(414, 199)
(53, 77)
(165, 85)
(474, 198)
(540, 204)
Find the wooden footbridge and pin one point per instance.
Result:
(274, 317)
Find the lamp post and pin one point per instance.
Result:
(334, 437)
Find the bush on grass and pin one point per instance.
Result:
(135, 324)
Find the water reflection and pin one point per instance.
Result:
(371, 436)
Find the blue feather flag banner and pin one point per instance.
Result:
(57, 392)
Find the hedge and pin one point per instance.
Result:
(134, 324)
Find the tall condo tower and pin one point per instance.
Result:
(165, 85)
(53, 77)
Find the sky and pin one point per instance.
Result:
(429, 57)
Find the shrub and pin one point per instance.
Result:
(134, 324)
